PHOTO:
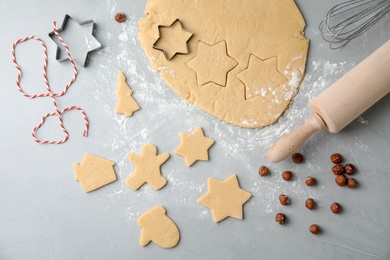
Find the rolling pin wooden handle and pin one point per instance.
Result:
(290, 142)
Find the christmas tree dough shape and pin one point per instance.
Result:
(194, 146)
(126, 104)
(267, 29)
(159, 228)
(225, 198)
(94, 172)
(147, 168)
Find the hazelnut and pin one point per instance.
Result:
(297, 157)
(349, 169)
(287, 175)
(341, 180)
(336, 158)
(310, 203)
(263, 171)
(280, 218)
(310, 181)
(338, 169)
(335, 208)
(351, 183)
(284, 200)
(314, 229)
(120, 17)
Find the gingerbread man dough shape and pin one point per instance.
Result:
(147, 168)
(159, 228)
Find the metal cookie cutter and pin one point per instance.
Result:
(159, 36)
(90, 45)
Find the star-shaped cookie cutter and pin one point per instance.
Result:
(159, 36)
(63, 27)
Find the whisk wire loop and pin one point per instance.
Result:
(350, 19)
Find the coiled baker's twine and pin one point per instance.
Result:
(49, 93)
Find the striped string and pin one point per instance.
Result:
(49, 93)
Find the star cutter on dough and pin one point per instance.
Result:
(159, 36)
(67, 18)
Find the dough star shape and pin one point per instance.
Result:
(212, 63)
(173, 39)
(225, 198)
(147, 168)
(261, 76)
(194, 146)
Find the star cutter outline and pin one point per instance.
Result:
(63, 27)
(227, 55)
(159, 36)
(247, 67)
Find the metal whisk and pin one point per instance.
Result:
(348, 20)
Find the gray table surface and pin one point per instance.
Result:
(44, 214)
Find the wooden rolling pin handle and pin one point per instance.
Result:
(290, 142)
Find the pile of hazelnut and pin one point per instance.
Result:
(341, 180)
(339, 171)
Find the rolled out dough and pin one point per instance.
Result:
(246, 57)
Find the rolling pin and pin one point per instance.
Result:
(341, 103)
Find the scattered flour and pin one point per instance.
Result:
(164, 114)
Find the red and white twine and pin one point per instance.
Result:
(49, 93)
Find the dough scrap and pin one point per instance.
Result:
(147, 168)
(94, 172)
(173, 39)
(194, 146)
(159, 228)
(251, 28)
(225, 198)
(126, 104)
(203, 63)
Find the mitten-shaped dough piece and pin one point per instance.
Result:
(158, 228)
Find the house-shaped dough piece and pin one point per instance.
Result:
(94, 172)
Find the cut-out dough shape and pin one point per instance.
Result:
(265, 28)
(147, 168)
(225, 198)
(173, 40)
(194, 146)
(261, 76)
(212, 63)
(158, 228)
(126, 104)
(94, 172)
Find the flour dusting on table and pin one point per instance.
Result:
(170, 115)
